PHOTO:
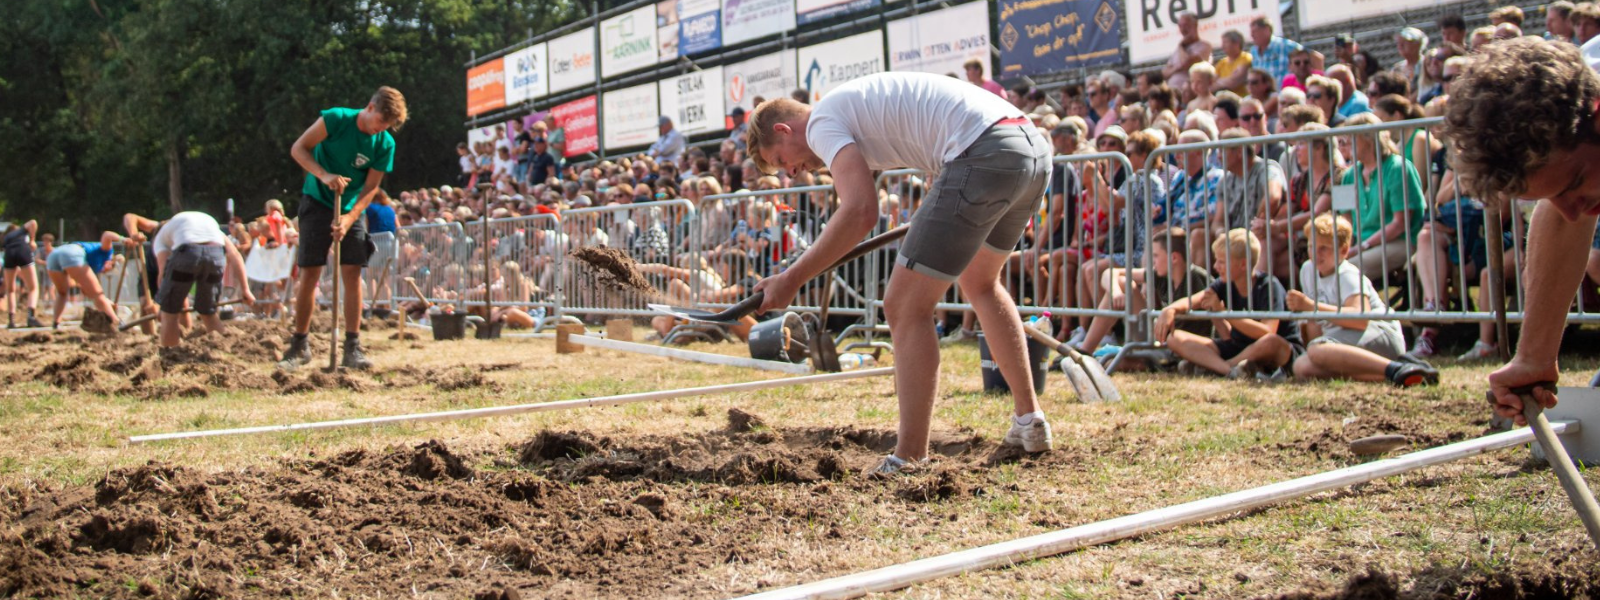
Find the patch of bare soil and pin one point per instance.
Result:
(1561, 578)
(1334, 442)
(612, 267)
(589, 515)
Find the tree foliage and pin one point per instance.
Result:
(154, 106)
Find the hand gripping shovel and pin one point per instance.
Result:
(750, 304)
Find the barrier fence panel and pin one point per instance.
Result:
(437, 257)
(656, 235)
(522, 253)
(1414, 235)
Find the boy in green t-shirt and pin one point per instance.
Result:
(345, 154)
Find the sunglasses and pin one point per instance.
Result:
(1315, 96)
(1106, 143)
(1299, 62)
(1251, 117)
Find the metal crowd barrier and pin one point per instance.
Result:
(652, 233)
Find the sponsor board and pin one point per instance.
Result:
(526, 75)
(628, 42)
(572, 61)
(827, 65)
(631, 115)
(767, 77)
(745, 20)
(579, 121)
(486, 87)
(699, 26)
(811, 11)
(694, 101)
(1153, 24)
(1053, 36)
(941, 41)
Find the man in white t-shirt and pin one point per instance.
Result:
(1364, 350)
(194, 254)
(992, 166)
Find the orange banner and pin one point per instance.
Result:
(486, 87)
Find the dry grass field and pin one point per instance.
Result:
(723, 495)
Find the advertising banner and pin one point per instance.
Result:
(699, 26)
(666, 30)
(811, 11)
(526, 75)
(770, 76)
(941, 41)
(572, 61)
(694, 101)
(628, 42)
(631, 115)
(745, 20)
(1153, 24)
(486, 87)
(1330, 12)
(824, 66)
(578, 120)
(1052, 36)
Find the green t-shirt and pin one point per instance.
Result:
(1401, 190)
(348, 152)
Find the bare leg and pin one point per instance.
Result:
(58, 280)
(352, 297)
(1331, 361)
(305, 297)
(1198, 350)
(91, 291)
(908, 306)
(1271, 350)
(171, 332)
(1433, 262)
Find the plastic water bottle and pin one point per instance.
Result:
(1041, 323)
(851, 361)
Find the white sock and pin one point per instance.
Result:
(1029, 418)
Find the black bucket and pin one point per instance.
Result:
(448, 326)
(768, 342)
(486, 331)
(994, 381)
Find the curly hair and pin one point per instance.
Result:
(1519, 101)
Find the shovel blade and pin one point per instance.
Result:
(690, 314)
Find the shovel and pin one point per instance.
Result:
(132, 323)
(1088, 378)
(749, 305)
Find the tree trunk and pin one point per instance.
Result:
(175, 176)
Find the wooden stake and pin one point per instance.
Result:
(564, 334)
(619, 330)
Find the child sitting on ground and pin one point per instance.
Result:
(1167, 256)
(1244, 347)
(1348, 348)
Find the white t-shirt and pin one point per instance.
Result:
(1591, 52)
(904, 120)
(1346, 281)
(189, 227)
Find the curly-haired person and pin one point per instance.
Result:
(1551, 152)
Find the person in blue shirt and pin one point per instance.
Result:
(80, 263)
(381, 227)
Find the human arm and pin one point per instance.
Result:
(136, 226)
(1168, 319)
(1299, 302)
(301, 152)
(1235, 79)
(368, 192)
(1557, 251)
(236, 266)
(851, 222)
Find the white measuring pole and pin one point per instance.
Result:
(497, 411)
(1006, 554)
(691, 355)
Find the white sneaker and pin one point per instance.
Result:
(1480, 351)
(1033, 437)
(1423, 347)
(957, 336)
(894, 465)
(1076, 339)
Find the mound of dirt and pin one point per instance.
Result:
(1335, 442)
(612, 267)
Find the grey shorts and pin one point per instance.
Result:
(66, 256)
(192, 267)
(985, 197)
(1382, 338)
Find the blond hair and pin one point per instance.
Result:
(759, 135)
(1203, 69)
(274, 204)
(1238, 243)
(1328, 84)
(1330, 226)
(392, 105)
(1386, 146)
(1302, 114)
